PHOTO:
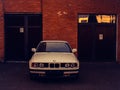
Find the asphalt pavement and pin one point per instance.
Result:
(93, 76)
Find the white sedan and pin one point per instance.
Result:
(54, 59)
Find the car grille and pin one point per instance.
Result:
(57, 65)
(50, 65)
(54, 65)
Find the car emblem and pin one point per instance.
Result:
(54, 60)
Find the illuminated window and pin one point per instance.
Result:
(92, 18)
(106, 18)
(83, 18)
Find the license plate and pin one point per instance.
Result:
(54, 73)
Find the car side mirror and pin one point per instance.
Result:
(33, 49)
(74, 50)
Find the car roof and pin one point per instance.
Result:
(54, 41)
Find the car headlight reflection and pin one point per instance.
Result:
(70, 65)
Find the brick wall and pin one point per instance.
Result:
(118, 39)
(22, 6)
(1, 32)
(60, 20)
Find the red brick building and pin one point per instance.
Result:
(23, 23)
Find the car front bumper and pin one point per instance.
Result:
(55, 73)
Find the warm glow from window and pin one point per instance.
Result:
(99, 18)
(83, 18)
(105, 18)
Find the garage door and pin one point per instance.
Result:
(97, 38)
(22, 32)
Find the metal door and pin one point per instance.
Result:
(96, 42)
(105, 47)
(34, 32)
(14, 38)
(14, 46)
(85, 42)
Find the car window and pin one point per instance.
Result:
(53, 47)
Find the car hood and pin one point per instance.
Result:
(54, 57)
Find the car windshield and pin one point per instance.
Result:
(53, 47)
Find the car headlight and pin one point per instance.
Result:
(70, 65)
(39, 65)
